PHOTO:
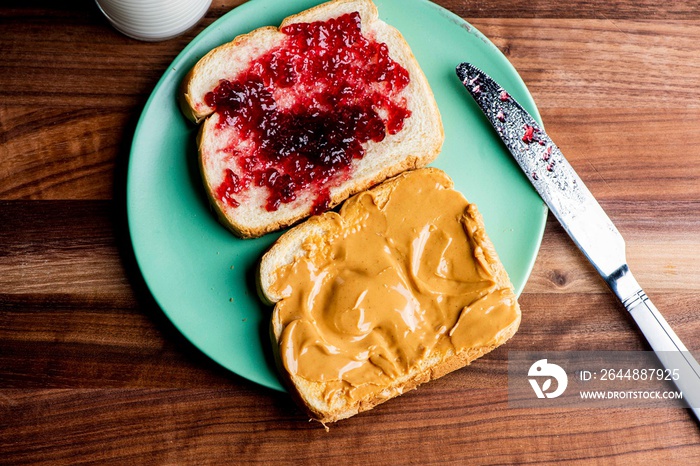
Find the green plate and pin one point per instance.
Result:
(203, 277)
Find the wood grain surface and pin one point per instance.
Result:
(91, 371)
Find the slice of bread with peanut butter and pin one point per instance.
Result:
(400, 287)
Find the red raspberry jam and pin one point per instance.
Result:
(529, 135)
(307, 106)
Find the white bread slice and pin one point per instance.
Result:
(292, 248)
(416, 145)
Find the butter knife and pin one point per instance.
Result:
(583, 219)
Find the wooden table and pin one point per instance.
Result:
(91, 370)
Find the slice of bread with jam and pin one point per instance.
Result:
(298, 118)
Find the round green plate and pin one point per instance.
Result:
(203, 277)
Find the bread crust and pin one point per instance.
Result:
(288, 249)
(415, 146)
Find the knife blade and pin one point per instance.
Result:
(583, 219)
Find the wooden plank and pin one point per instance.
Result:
(71, 298)
(62, 129)
(600, 63)
(578, 9)
(615, 9)
(54, 153)
(439, 423)
(66, 343)
(566, 62)
(60, 154)
(78, 247)
(57, 247)
(663, 250)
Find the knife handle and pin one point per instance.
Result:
(670, 350)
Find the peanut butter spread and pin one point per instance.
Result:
(395, 283)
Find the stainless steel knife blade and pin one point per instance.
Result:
(583, 219)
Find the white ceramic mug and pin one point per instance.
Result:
(153, 20)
